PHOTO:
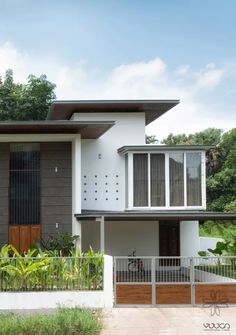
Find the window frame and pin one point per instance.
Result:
(167, 206)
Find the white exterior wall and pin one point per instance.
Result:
(103, 169)
(208, 242)
(48, 300)
(189, 238)
(123, 237)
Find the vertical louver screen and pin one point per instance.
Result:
(24, 193)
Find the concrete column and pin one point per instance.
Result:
(102, 233)
(108, 281)
(189, 238)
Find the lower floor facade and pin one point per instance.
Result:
(146, 238)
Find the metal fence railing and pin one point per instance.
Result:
(175, 269)
(51, 273)
(215, 269)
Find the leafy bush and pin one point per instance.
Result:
(59, 245)
(211, 229)
(36, 271)
(73, 321)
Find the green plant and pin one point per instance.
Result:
(220, 249)
(36, 270)
(25, 272)
(72, 321)
(203, 253)
(58, 245)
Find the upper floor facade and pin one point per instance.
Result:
(119, 172)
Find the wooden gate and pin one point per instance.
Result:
(151, 281)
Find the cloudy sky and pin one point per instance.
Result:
(130, 49)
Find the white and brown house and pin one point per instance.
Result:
(86, 170)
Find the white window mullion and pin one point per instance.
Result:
(185, 180)
(167, 180)
(149, 180)
(130, 180)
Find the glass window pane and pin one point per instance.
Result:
(24, 156)
(194, 187)
(176, 162)
(24, 192)
(140, 180)
(157, 179)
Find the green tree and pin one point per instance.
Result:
(176, 139)
(221, 184)
(28, 101)
(151, 139)
(209, 136)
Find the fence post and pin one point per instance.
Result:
(108, 281)
(153, 278)
(192, 282)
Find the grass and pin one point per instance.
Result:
(74, 321)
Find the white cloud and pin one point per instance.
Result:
(182, 70)
(139, 80)
(210, 76)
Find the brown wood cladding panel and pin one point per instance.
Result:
(35, 234)
(173, 294)
(24, 232)
(23, 237)
(14, 236)
(134, 294)
(215, 293)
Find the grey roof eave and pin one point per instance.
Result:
(156, 215)
(87, 129)
(64, 109)
(153, 147)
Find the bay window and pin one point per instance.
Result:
(171, 179)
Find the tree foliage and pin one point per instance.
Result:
(209, 136)
(21, 102)
(151, 139)
(221, 184)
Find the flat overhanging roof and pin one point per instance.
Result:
(153, 148)
(87, 129)
(155, 215)
(153, 109)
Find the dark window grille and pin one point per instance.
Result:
(24, 192)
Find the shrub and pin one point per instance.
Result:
(58, 245)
